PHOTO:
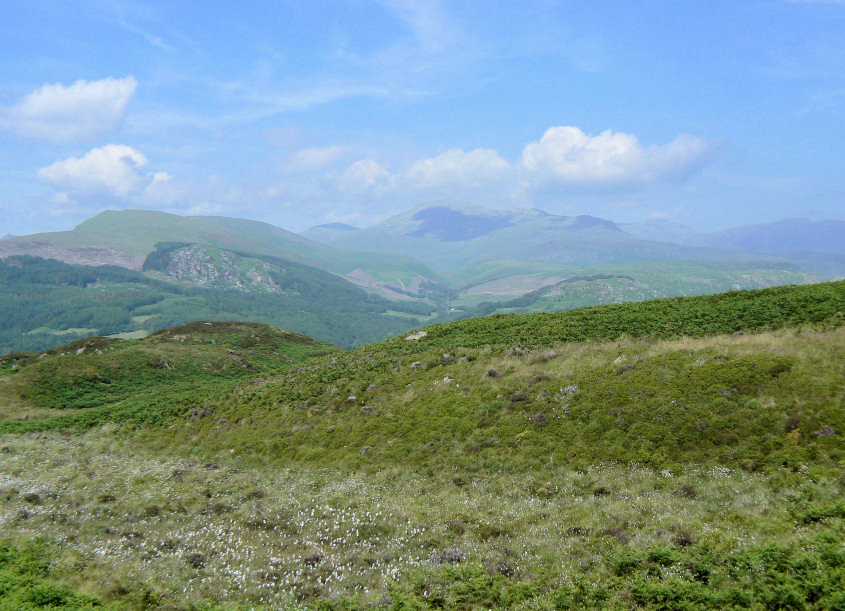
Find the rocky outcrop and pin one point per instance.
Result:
(213, 268)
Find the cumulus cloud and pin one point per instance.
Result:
(364, 175)
(457, 168)
(114, 169)
(568, 155)
(565, 157)
(62, 113)
(316, 158)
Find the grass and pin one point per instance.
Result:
(676, 454)
(148, 381)
(129, 525)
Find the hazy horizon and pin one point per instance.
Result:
(433, 203)
(299, 115)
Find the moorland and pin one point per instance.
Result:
(681, 453)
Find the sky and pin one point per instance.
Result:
(709, 114)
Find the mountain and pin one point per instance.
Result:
(660, 230)
(125, 238)
(449, 235)
(786, 236)
(477, 261)
(8, 236)
(327, 232)
(670, 454)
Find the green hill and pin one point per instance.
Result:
(128, 236)
(44, 303)
(670, 454)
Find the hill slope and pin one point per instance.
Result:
(126, 237)
(46, 303)
(681, 453)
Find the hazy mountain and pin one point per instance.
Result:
(449, 235)
(8, 236)
(126, 238)
(326, 233)
(786, 236)
(659, 230)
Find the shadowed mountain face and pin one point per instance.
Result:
(449, 235)
(449, 225)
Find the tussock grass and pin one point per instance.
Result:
(126, 525)
(609, 461)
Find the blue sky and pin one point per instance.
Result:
(297, 113)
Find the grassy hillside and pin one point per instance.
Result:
(508, 286)
(46, 303)
(138, 231)
(672, 454)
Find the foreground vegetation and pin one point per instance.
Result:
(676, 454)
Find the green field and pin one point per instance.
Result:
(671, 454)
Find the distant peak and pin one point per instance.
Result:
(450, 225)
(339, 226)
(452, 204)
(585, 221)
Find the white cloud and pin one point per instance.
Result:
(62, 113)
(456, 168)
(315, 158)
(114, 169)
(568, 155)
(364, 175)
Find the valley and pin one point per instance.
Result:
(129, 273)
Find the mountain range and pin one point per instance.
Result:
(346, 285)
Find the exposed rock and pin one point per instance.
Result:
(540, 420)
(519, 397)
(492, 373)
(416, 336)
(450, 555)
(825, 431)
(368, 410)
(684, 538)
(196, 560)
(617, 533)
(312, 557)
